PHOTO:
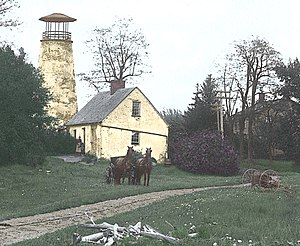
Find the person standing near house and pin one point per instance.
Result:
(78, 150)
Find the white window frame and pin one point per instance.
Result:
(135, 138)
(136, 109)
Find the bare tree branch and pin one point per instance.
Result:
(6, 6)
(118, 52)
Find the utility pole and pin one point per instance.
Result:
(219, 109)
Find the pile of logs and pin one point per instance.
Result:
(109, 234)
(265, 179)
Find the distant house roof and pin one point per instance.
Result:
(99, 107)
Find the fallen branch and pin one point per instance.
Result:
(90, 217)
(109, 234)
(150, 232)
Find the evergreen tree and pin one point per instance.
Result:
(290, 75)
(201, 114)
(23, 103)
(175, 120)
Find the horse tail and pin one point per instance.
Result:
(139, 170)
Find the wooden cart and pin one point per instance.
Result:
(265, 179)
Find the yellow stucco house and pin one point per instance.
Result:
(121, 117)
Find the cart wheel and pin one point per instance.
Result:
(269, 179)
(248, 175)
(109, 174)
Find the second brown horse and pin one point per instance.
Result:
(144, 167)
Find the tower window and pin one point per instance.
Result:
(135, 138)
(136, 108)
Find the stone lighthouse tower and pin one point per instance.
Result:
(57, 65)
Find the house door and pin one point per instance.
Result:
(93, 140)
(83, 132)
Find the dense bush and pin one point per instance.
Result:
(204, 152)
(23, 102)
(59, 142)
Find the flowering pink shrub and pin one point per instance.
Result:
(204, 152)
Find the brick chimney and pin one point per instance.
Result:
(116, 85)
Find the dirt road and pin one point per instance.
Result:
(19, 229)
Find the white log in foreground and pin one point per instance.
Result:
(104, 226)
(160, 236)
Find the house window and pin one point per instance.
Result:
(136, 108)
(135, 138)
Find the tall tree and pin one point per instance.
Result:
(201, 114)
(254, 62)
(23, 103)
(290, 123)
(119, 53)
(5, 7)
(267, 126)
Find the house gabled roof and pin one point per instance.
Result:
(160, 115)
(99, 107)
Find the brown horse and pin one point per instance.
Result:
(144, 167)
(123, 166)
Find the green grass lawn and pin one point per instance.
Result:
(279, 166)
(57, 185)
(244, 216)
(225, 217)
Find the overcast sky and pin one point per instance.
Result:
(187, 37)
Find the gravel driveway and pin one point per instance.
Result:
(19, 229)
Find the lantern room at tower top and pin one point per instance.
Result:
(57, 26)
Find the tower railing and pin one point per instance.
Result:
(57, 35)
